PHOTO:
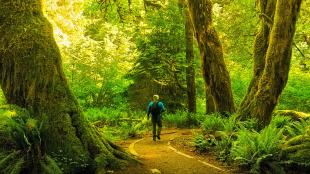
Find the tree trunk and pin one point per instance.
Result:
(277, 62)
(215, 73)
(210, 107)
(267, 9)
(32, 77)
(190, 60)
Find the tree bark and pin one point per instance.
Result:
(267, 9)
(31, 77)
(210, 107)
(277, 62)
(215, 73)
(190, 60)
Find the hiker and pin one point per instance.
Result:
(155, 108)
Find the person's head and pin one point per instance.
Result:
(155, 97)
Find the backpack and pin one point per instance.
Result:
(155, 109)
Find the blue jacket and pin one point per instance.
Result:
(160, 105)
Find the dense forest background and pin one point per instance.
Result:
(118, 54)
(114, 55)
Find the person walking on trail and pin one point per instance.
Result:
(155, 108)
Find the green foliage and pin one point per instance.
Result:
(296, 150)
(61, 161)
(252, 148)
(296, 128)
(296, 93)
(240, 79)
(280, 121)
(213, 122)
(161, 62)
(203, 144)
(180, 119)
(116, 124)
(107, 115)
(239, 141)
(20, 137)
(250, 124)
(126, 130)
(216, 122)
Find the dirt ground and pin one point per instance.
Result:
(170, 155)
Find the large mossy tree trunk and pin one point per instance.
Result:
(267, 9)
(215, 74)
(190, 60)
(31, 77)
(273, 63)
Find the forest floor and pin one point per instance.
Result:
(173, 154)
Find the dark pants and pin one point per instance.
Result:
(156, 120)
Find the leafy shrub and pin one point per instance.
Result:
(229, 124)
(296, 149)
(109, 115)
(296, 128)
(180, 119)
(20, 139)
(252, 149)
(296, 94)
(222, 148)
(202, 144)
(250, 124)
(212, 123)
(280, 121)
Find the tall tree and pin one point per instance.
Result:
(216, 76)
(190, 70)
(272, 66)
(267, 9)
(190, 59)
(31, 77)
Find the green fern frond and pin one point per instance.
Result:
(18, 166)
(49, 166)
(8, 158)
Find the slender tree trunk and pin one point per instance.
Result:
(215, 73)
(277, 62)
(190, 60)
(31, 76)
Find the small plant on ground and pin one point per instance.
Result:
(255, 150)
(179, 119)
(202, 143)
(213, 123)
(20, 150)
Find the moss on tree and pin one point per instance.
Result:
(267, 86)
(215, 74)
(31, 77)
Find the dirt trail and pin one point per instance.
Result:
(161, 157)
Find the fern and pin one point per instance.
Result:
(7, 158)
(49, 166)
(296, 128)
(20, 148)
(252, 147)
(280, 121)
(18, 166)
(213, 123)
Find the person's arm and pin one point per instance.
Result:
(149, 110)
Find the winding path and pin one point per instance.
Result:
(161, 157)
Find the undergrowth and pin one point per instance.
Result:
(21, 148)
(282, 146)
